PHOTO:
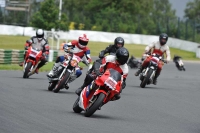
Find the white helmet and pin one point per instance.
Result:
(40, 34)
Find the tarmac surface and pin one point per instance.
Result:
(171, 106)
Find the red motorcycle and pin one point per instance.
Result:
(99, 92)
(32, 59)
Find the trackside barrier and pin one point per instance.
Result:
(102, 37)
(198, 53)
(17, 56)
(11, 56)
(52, 55)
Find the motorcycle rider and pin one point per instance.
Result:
(111, 49)
(41, 43)
(160, 48)
(175, 60)
(78, 48)
(117, 62)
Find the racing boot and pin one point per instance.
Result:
(116, 97)
(139, 71)
(72, 78)
(88, 80)
(155, 79)
(78, 91)
(21, 63)
(67, 86)
(37, 70)
(52, 72)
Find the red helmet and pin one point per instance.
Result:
(83, 41)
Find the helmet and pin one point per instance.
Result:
(40, 34)
(29, 41)
(163, 36)
(83, 41)
(119, 40)
(122, 55)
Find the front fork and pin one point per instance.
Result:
(144, 74)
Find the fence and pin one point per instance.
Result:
(17, 56)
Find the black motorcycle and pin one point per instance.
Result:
(134, 63)
(178, 63)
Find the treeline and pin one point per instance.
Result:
(149, 17)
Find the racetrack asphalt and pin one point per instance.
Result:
(171, 106)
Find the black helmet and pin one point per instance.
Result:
(122, 55)
(119, 40)
(40, 34)
(163, 36)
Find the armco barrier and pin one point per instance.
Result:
(17, 56)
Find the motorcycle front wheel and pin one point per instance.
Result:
(27, 70)
(97, 103)
(62, 82)
(51, 86)
(146, 79)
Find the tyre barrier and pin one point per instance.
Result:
(17, 56)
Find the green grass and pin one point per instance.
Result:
(45, 68)
(17, 42)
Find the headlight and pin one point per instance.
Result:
(73, 63)
(154, 63)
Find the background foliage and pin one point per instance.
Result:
(149, 17)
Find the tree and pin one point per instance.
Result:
(192, 10)
(164, 17)
(192, 14)
(47, 17)
(127, 16)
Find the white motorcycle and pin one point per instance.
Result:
(65, 74)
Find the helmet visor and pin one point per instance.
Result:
(40, 36)
(119, 45)
(163, 41)
(83, 43)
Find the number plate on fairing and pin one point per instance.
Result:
(111, 83)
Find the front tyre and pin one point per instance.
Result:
(76, 107)
(62, 82)
(99, 101)
(51, 86)
(27, 69)
(146, 79)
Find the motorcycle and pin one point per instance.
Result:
(32, 59)
(133, 62)
(148, 73)
(179, 63)
(99, 92)
(64, 74)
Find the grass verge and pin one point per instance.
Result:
(17, 42)
(45, 68)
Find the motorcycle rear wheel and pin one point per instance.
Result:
(27, 70)
(93, 108)
(76, 107)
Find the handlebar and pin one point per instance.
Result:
(164, 61)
